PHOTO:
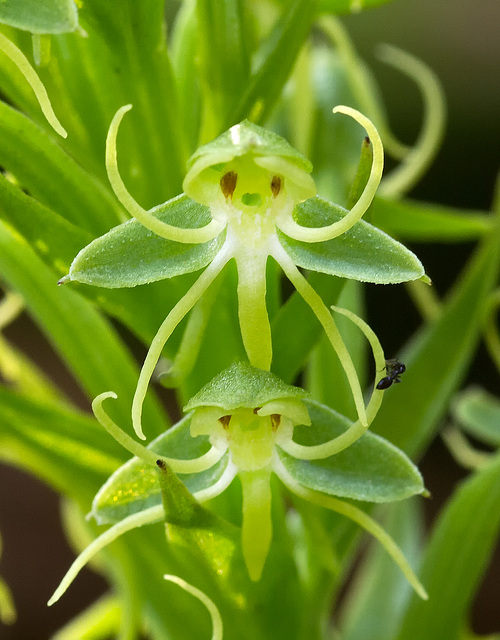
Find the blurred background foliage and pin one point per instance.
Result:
(459, 41)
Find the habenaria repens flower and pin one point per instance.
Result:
(245, 424)
(248, 196)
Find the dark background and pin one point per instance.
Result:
(459, 40)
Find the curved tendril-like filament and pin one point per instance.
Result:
(162, 229)
(184, 305)
(22, 63)
(195, 465)
(218, 487)
(148, 516)
(356, 515)
(415, 163)
(357, 429)
(361, 83)
(252, 309)
(462, 451)
(325, 317)
(204, 599)
(322, 234)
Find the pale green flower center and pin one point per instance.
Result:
(250, 435)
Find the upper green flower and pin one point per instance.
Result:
(249, 197)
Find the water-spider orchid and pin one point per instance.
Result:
(248, 196)
(245, 423)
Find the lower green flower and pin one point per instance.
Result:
(247, 423)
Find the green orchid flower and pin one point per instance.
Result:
(248, 196)
(248, 424)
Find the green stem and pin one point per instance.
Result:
(252, 310)
(10, 307)
(256, 533)
(463, 452)
(184, 305)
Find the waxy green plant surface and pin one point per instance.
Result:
(142, 170)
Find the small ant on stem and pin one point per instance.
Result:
(394, 369)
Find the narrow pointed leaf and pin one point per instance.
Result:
(55, 239)
(130, 254)
(224, 55)
(278, 54)
(88, 344)
(379, 585)
(52, 176)
(371, 469)
(437, 359)
(426, 222)
(362, 253)
(67, 449)
(458, 552)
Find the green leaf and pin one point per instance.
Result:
(135, 485)
(461, 544)
(67, 449)
(212, 540)
(379, 585)
(348, 6)
(478, 413)
(55, 239)
(277, 54)
(243, 386)
(53, 177)
(183, 51)
(362, 253)
(371, 469)
(436, 360)
(49, 16)
(362, 174)
(99, 621)
(426, 222)
(125, 60)
(130, 254)
(88, 344)
(224, 57)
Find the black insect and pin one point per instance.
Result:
(393, 369)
